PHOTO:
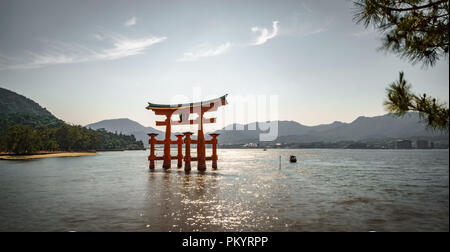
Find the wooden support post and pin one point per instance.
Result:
(180, 150)
(214, 156)
(167, 156)
(187, 155)
(152, 157)
(201, 155)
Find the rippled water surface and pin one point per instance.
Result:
(327, 190)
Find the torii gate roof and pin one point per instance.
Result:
(218, 101)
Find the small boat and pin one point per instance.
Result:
(293, 159)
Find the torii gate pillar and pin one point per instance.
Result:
(167, 142)
(201, 152)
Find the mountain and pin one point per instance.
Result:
(28, 128)
(287, 131)
(363, 128)
(16, 109)
(125, 126)
(386, 126)
(11, 103)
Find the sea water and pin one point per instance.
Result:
(326, 190)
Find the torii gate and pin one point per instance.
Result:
(184, 111)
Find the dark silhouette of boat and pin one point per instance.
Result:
(293, 159)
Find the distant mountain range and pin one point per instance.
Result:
(16, 109)
(125, 126)
(363, 128)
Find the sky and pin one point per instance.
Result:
(87, 61)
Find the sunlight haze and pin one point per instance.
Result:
(95, 60)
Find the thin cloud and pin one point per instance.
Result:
(125, 47)
(306, 7)
(316, 31)
(57, 53)
(204, 51)
(299, 24)
(130, 22)
(4, 59)
(264, 35)
(303, 30)
(98, 37)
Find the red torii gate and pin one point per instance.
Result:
(184, 111)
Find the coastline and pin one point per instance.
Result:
(46, 155)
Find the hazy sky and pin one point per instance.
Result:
(87, 61)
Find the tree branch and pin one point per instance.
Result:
(412, 8)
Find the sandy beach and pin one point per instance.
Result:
(46, 155)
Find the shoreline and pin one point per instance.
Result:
(46, 155)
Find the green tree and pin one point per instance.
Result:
(419, 31)
(400, 100)
(22, 140)
(28, 137)
(3, 142)
(414, 29)
(62, 137)
(47, 140)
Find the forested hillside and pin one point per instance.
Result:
(26, 127)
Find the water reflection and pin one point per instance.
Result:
(186, 201)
